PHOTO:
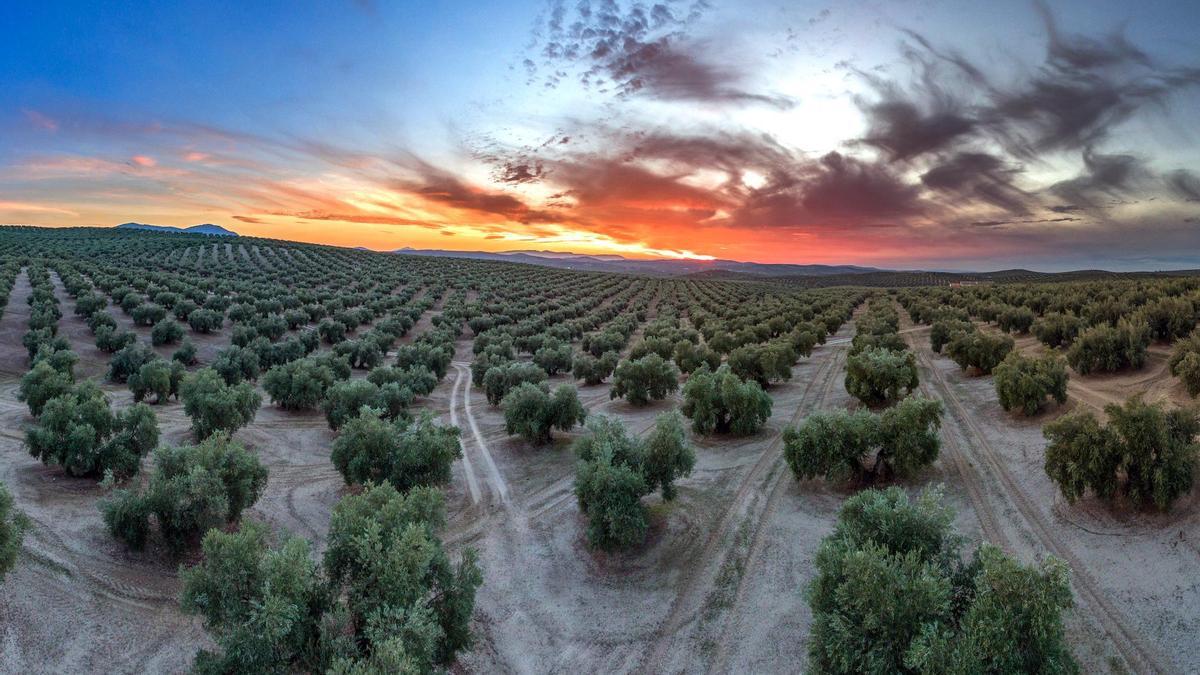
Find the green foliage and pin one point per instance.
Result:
(159, 377)
(763, 363)
(13, 525)
(721, 402)
(79, 432)
(237, 364)
(109, 339)
(1023, 383)
(1016, 319)
(593, 370)
(1169, 318)
(205, 320)
(363, 354)
(42, 383)
(148, 314)
(531, 411)
(878, 375)
(216, 406)
(387, 594)
(192, 489)
(166, 332)
(1057, 329)
(668, 455)
(499, 380)
(1185, 362)
(129, 360)
(611, 479)
(979, 350)
(842, 446)
(886, 341)
(300, 384)
(1105, 349)
(943, 331)
(690, 356)
(186, 354)
(553, 357)
(344, 400)
(404, 452)
(1145, 453)
(417, 379)
(893, 595)
(642, 380)
(435, 358)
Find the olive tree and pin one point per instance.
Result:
(385, 598)
(864, 446)
(531, 411)
(553, 356)
(300, 384)
(499, 380)
(642, 380)
(159, 377)
(593, 370)
(1185, 362)
(42, 383)
(668, 456)
(893, 594)
(979, 350)
(609, 484)
(1105, 348)
(881, 376)
(79, 432)
(1145, 453)
(1024, 383)
(721, 402)
(192, 489)
(166, 332)
(404, 452)
(942, 331)
(763, 363)
(1056, 329)
(216, 406)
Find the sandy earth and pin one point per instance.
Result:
(717, 587)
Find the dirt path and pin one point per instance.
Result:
(748, 507)
(773, 485)
(468, 468)
(1139, 657)
(496, 483)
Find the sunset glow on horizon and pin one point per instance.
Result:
(1048, 136)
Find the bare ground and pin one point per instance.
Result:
(717, 587)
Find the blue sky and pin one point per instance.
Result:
(932, 134)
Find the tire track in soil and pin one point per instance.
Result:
(1139, 657)
(775, 483)
(493, 472)
(692, 596)
(976, 491)
(472, 481)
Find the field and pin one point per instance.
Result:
(717, 585)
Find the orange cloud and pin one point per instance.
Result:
(144, 161)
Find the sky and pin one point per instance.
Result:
(912, 134)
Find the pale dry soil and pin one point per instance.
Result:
(717, 587)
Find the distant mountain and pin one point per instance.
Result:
(657, 267)
(205, 228)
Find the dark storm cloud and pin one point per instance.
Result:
(1185, 185)
(439, 186)
(1103, 176)
(641, 50)
(978, 176)
(1083, 88)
